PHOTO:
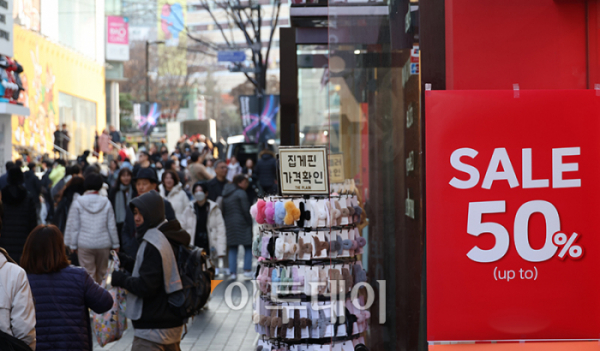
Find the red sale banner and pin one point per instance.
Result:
(513, 189)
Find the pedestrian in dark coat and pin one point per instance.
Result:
(266, 171)
(153, 275)
(62, 293)
(238, 222)
(33, 184)
(19, 215)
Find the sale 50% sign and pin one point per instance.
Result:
(513, 189)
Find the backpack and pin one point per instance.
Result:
(196, 272)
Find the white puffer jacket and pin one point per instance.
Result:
(17, 311)
(178, 199)
(91, 223)
(215, 223)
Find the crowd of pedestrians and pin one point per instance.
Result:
(59, 226)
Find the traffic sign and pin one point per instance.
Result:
(231, 56)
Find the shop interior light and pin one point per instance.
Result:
(326, 133)
(302, 135)
(356, 52)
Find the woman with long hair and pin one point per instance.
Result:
(113, 172)
(120, 196)
(66, 196)
(62, 293)
(172, 190)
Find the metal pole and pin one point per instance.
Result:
(147, 77)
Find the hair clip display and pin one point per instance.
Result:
(307, 253)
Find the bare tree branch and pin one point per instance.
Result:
(207, 8)
(273, 26)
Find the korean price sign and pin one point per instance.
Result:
(303, 171)
(513, 237)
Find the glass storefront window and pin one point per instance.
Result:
(80, 117)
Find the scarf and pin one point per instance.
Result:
(172, 280)
(122, 199)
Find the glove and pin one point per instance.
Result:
(126, 261)
(118, 278)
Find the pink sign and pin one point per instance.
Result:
(117, 30)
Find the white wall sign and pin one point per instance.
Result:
(6, 27)
(303, 170)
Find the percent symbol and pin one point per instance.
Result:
(575, 251)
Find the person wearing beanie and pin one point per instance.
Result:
(145, 181)
(91, 230)
(152, 276)
(19, 216)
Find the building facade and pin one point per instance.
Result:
(60, 44)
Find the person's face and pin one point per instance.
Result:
(137, 217)
(64, 127)
(209, 163)
(249, 163)
(169, 181)
(144, 186)
(233, 160)
(126, 179)
(158, 165)
(143, 158)
(244, 184)
(112, 128)
(113, 166)
(165, 157)
(221, 170)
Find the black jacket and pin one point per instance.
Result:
(266, 172)
(18, 220)
(150, 286)
(215, 188)
(33, 185)
(129, 243)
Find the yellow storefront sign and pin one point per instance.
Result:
(50, 69)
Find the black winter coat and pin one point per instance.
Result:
(236, 213)
(150, 285)
(18, 220)
(266, 173)
(33, 185)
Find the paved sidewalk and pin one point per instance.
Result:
(217, 328)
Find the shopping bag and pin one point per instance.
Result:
(110, 326)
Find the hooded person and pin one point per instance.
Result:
(19, 217)
(145, 181)
(91, 230)
(153, 275)
(266, 171)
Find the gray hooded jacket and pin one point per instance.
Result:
(91, 223)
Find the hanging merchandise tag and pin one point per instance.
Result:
(289, 334)
(305, 246)
(329, 330)
(319, 245)
(305, 332)
(345, 212)
(347, 346)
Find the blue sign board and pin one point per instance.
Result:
(231, 56)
